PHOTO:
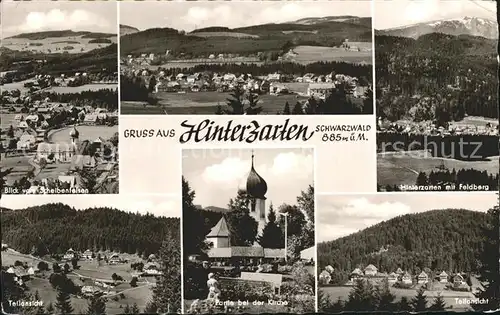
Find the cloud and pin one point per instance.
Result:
(293, 164)
(231, 170)
(57, 19)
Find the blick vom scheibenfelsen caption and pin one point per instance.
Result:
(275, 157)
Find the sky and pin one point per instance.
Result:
(189, 15)
(216, 174)
(394, 13)
(339, 216)
(157, 205)
(36, 16)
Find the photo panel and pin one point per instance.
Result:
(405, 252)
(248, 230)
(437, 95)
(246, 57)
(68, 254)
(59, 97)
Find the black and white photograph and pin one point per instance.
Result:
(437, 95)
(59, 97)
(246, 58)
(406, 252)
(67, 254)
(248, 231)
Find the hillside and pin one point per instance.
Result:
(44, 230)
(127, 29)
(449, 239)
(62, 33)
(244, 40)
(464, 26)
(94, 60)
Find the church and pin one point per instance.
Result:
(220, 236)
(59, 152)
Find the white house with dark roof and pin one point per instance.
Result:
(219, 235)
(443, 277)
(422, 278)
(371, 270)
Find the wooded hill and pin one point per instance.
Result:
(54, 228)
(448, 239)
(62, 33)
(264, 38)
(92, 61)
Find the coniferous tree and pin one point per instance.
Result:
(385, 299)
(438, 304)
(167, 292)
(272, 235)
(253, 104)
(286, 110)
(194, 242)
(361, 298)
(40, 310)
(490, 269)
(236, 102)
(243, 227)
(404, 305)
(297, 109)
(419, 302)
(63, 303)
(50, 308)
(126, 310)
(135, 309)
(97, 306)
(151, 308)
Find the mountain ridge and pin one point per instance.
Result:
(456, 26)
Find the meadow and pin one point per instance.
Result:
(78, 89)
(400, 168)
(311, 54)
(449, 296)
(223, 34)
(70, 44)
(204, 103)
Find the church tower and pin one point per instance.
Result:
(256, 189)
(74, 135)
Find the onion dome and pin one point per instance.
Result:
(74, 133)
(256, 185)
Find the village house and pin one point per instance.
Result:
(70, 254)
(26, 141)
(356, 273)
(151, 269)
(325, 277)
(458, 280)
(406, 278)
(443, 277)
(392, 278)
(90, 290)
(88, 254)
(330, 269)
(219, 235)
(114, 259)
(20, 274)
(370, 270)
(422, 278)
(320, 90)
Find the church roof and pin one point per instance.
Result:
(256, 185)
(220, 229)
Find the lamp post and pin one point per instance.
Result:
(286, 234)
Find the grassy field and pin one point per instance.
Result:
(78, 89)
(8, 120)
(16, 86)
(449, 296)
(311, 54)
(86, 133)
(78, 44)
(398, 168)
(204, 103)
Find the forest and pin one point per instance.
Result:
(448, 239)
(422, 80)
(266, 37)
(42, 230)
